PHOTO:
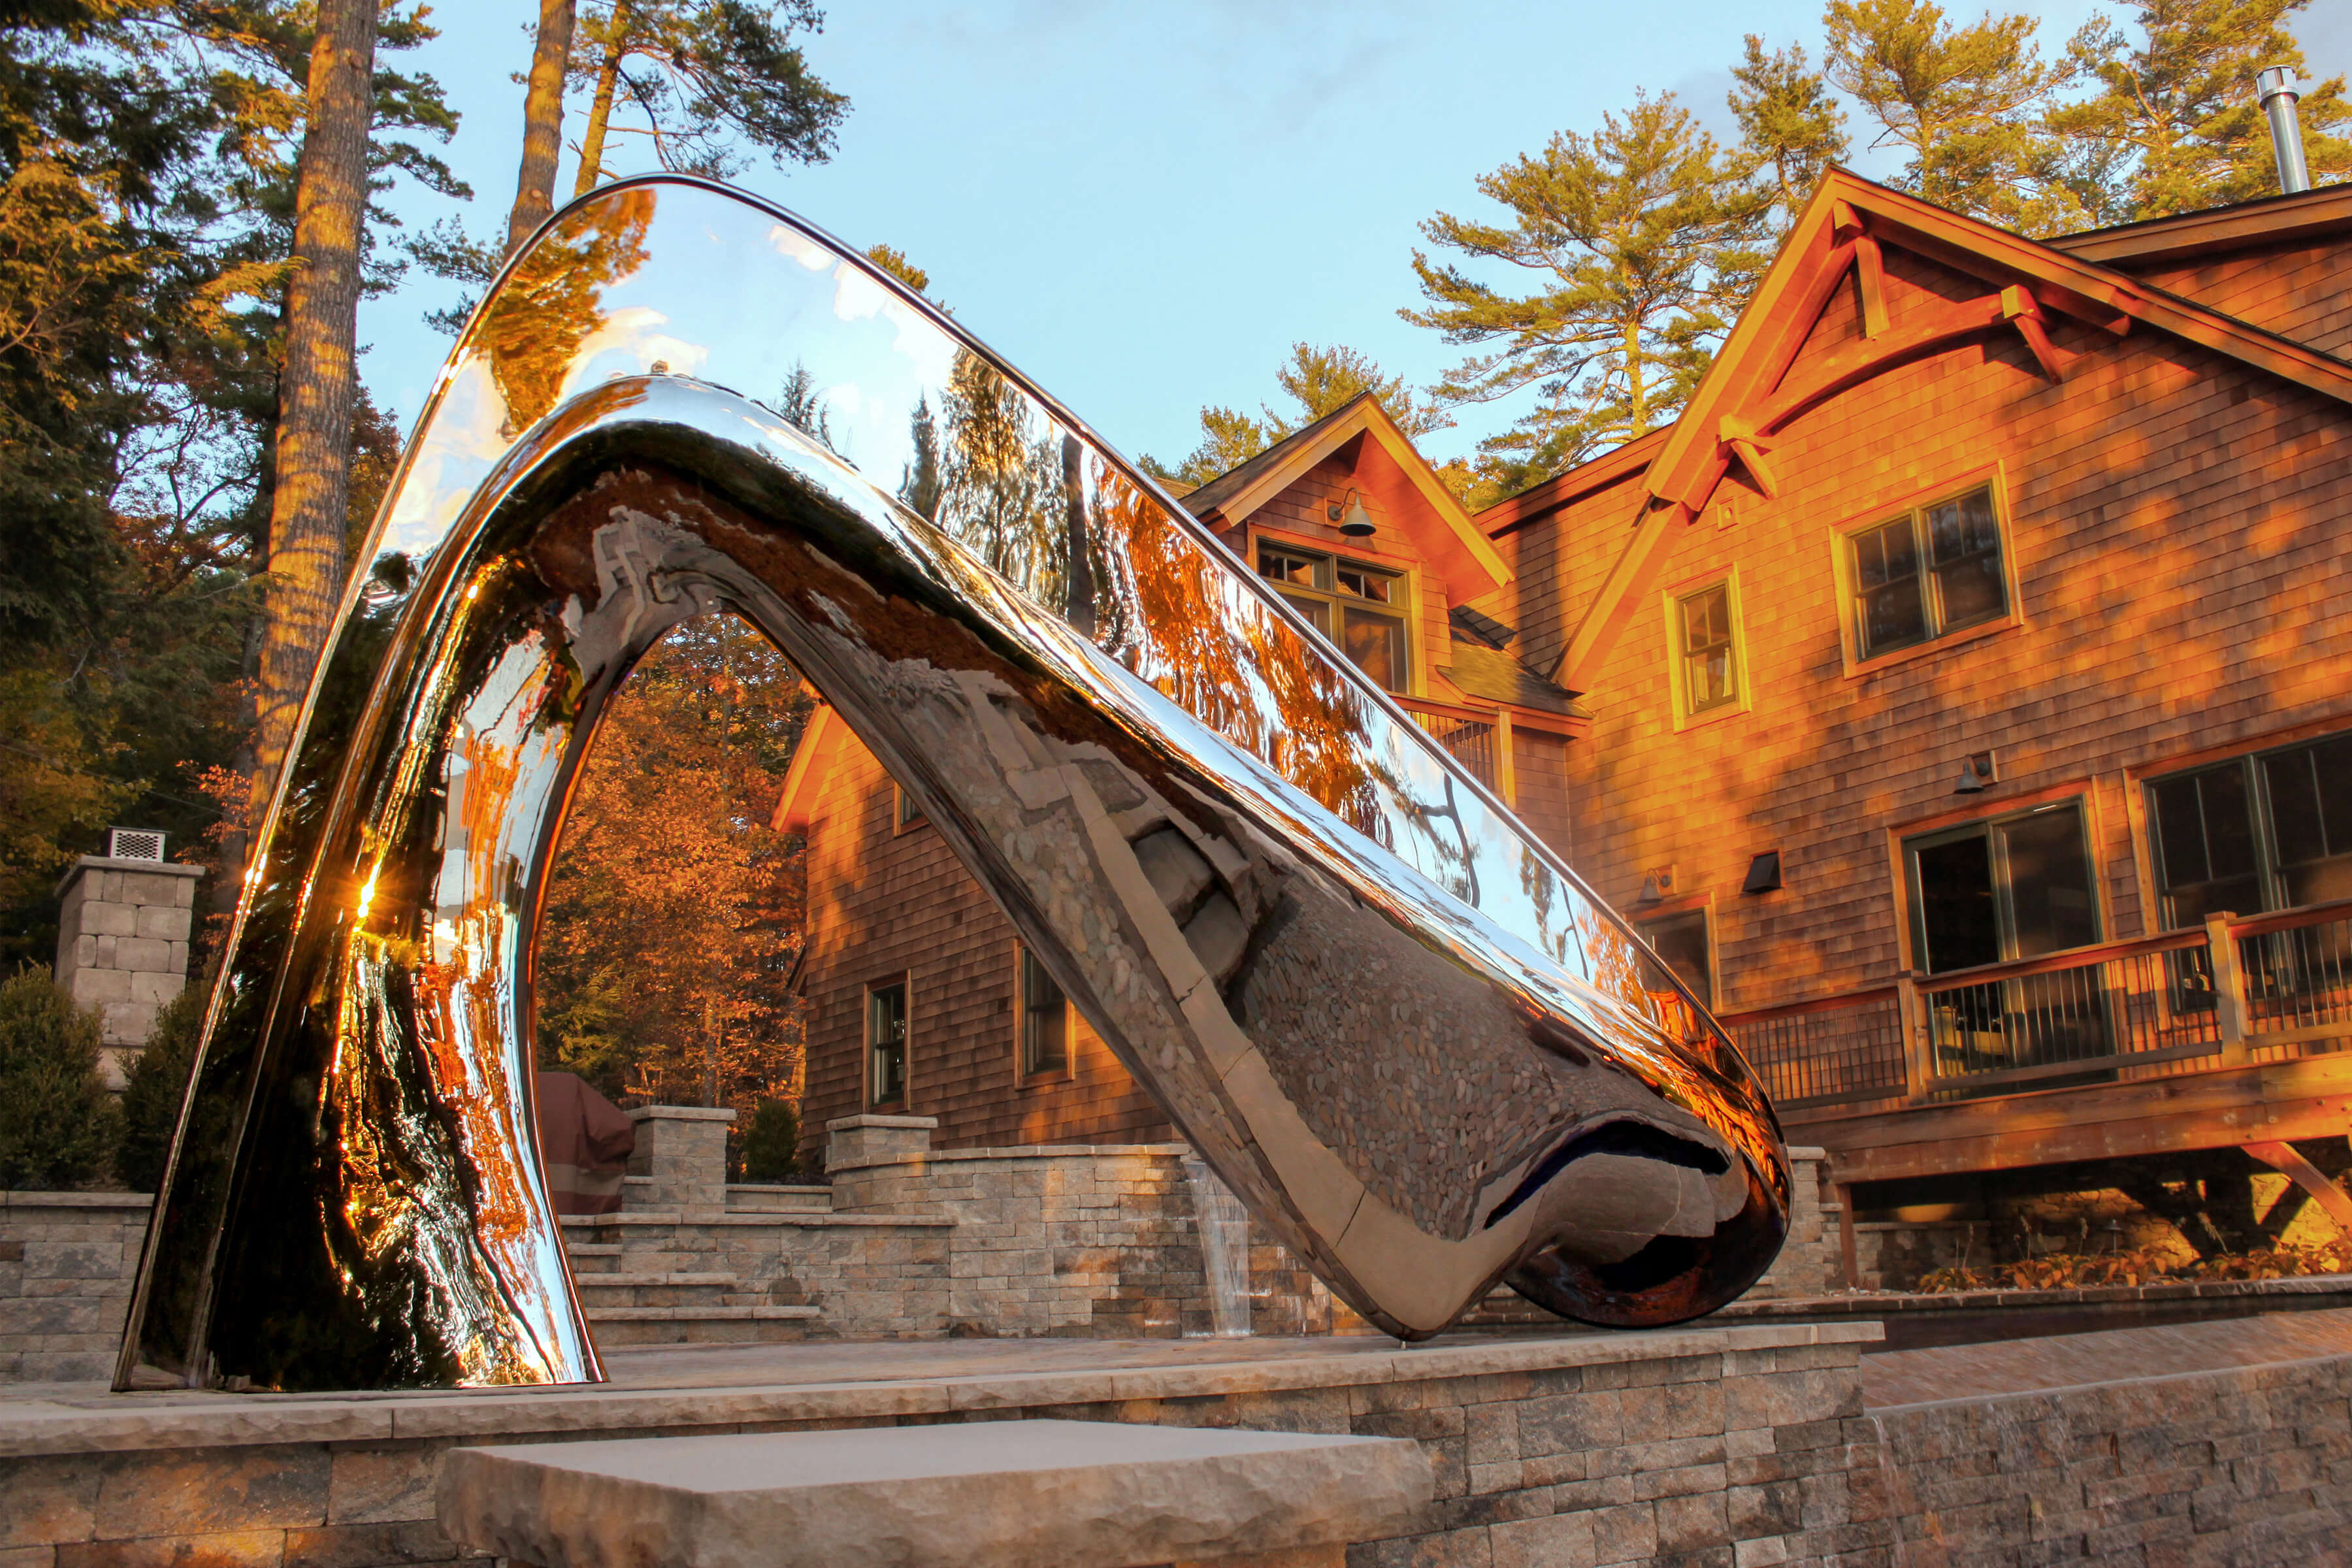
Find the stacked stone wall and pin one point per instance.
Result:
(67, 1260)
(2246, 1467)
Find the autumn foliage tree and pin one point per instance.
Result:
(674, 916)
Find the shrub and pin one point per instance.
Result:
(152, 1090)
(771, 1144)
(57, 1120)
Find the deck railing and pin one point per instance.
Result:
(2223, 990)
(1479, 738)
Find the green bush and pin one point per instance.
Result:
(57, 1120)
(153, 1088)
(771, 1144)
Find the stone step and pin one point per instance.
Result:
(591, 1258)
(657, 1289)
(757, 1197)
(736, 1325)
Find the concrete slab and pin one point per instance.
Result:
(1082, 1494)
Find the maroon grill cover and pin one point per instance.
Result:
(584, 1141)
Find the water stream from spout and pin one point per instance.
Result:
(1224, 1225)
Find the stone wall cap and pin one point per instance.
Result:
(680, 1113)
(1092, 1494)
(911, 1123)
(1807, 1151)
(110, 863)
(40, 1200)
(177, 1419)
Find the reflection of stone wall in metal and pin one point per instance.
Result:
(1399, 1029)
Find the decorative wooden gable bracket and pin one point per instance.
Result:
(1738, 437)
(2017, 304)
(1869, 265)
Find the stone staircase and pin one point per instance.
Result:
(639, 1284)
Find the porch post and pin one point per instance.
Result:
(1915, 1064)
(2228, 987)
(1506, 773)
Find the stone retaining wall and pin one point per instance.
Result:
(2245, 1467)
(1698, 1448)
(65, 1266)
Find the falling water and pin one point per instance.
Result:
(1224, 1249)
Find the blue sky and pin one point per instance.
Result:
(1143, 205)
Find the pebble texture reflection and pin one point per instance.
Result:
(1399, 1029)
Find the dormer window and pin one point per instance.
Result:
(1358, 607)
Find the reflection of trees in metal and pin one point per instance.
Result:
(1002, 489)
(554, 298)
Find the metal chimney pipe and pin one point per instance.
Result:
(2274, 85)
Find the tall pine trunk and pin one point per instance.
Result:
(312, 490)
(600, 108)
(542, 123)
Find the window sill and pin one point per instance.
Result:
(1946, 644)
(1715, 715)
(1053, 1078)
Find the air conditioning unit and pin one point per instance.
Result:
(133, 844)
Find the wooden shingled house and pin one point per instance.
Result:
(1970, 671)
(1958, 695)
(921, 999)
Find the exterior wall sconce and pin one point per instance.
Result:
(1763, 874)
(1657, 882)
(1977, 774)
(1349, 513)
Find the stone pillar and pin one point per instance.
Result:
(680, 1160)
(877, 1163)
(122, 946)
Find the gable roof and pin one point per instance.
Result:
(1746, 396)
(1464, 554)
(822, 739)
(2184, 237)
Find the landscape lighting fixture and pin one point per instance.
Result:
(1354, 521)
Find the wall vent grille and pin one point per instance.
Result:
(133, 844)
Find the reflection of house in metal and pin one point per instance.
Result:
(1965, 708)
(1990, 585)
(921, 999)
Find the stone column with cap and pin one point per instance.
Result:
(122, 946)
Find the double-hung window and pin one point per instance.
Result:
(1706, 650)
(886, 1046)
(1045, 1020)
(2269, 831)
(1359, 608)
(1926, 574)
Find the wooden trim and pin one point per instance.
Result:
(1629, 580)
(2297, 919)
(1614, 467)
(796, 800)
(2215, 1106)
(2272, 221)
(1981, 808)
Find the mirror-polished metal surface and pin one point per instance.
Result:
(1413, 1043)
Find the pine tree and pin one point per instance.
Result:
(2177, 110)
(1639, 238)
(1967, 102)
(1790, 127)
(1319, 380)
(713, 71)
(543, 121)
